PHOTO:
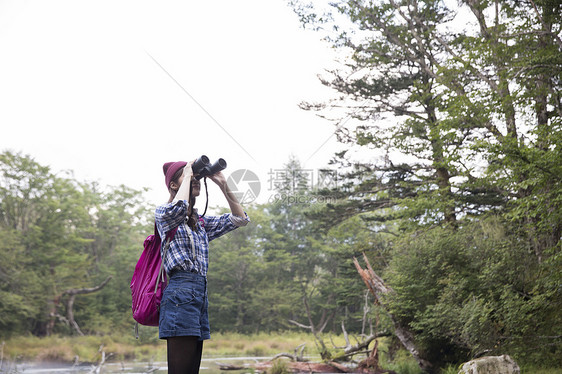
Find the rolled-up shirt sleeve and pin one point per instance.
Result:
(240, 221)
(171, 215)
(220, 225)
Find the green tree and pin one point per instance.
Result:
(63, 239)
(233, 272)
(43, 210)
(281, 272)
(120, 219)
(469, 300)
(15, 287)
(463, 123)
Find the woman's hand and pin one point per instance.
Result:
(188, 171)
(219, 179)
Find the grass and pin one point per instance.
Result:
(82, 348)
(403, 363)
(260, 345)
(454, 369)
(148, 348)
(279, 367)
(532, 370)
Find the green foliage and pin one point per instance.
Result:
(473, 290)
(15, 304)
(401, 361)
(450, 369)
(56, 235)
(464, 131)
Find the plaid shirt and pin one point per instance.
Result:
(181, 254)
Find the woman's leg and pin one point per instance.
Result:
(184, 354)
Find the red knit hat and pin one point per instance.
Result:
(170, 168)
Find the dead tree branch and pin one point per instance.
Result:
(379, 289)
(297, 357)
(70, 302)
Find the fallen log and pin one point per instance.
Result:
(306, 367)
(230, 366)
(367, 367)
(298, 356)
(294, 367)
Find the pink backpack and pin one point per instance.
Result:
(146, 287)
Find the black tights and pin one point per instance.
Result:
(184, 354)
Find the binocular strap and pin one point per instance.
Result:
(192, 254)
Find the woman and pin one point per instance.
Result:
(184, 320)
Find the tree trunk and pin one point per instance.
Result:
(70, 302)
(52, 314)
(379, 289)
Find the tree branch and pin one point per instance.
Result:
(544, 25)
(70, 302)
(77, 291)
(379, 289)
(300, 324)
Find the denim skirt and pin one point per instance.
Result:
(184, 307)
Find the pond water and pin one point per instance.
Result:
(208, 366)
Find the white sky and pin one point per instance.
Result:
(79, 90)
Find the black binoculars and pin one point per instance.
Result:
(203, 167)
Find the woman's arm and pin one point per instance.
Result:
(183, 190)
(235, 206)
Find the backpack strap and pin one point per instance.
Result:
(170, 236)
